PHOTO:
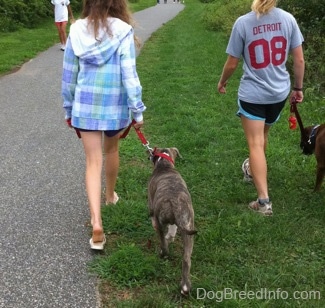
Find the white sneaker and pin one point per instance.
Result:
(62, 47)
(246, 171)
(263, 209)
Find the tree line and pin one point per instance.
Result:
(219, 16)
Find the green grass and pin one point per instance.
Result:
(23, 45)
(141, 5)
(179, 68)
(235, 249)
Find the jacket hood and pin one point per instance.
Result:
(97, 51)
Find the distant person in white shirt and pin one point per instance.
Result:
(62, 10)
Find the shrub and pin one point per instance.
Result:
(15, 14)
(221, 15)
(311, 19)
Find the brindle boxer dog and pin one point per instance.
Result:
(314, 142)
(170, 207)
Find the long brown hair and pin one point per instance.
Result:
(97, 12)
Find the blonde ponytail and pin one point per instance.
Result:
(262, 7)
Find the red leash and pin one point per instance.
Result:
(145, 142)
(76, 129)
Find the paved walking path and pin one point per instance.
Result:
(44, 248)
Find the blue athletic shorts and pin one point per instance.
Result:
(270, 113)
(108, 133)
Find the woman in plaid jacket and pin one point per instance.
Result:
(102, 93)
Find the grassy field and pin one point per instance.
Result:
(235, 249)
(273, 261)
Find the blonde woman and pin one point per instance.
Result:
(101, 92)
(263, 38)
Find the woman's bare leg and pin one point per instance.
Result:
(256, 133)
(62, 32)
(111, 151)
(92, 142)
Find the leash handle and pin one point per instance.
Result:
(76, 129)
(126, 132)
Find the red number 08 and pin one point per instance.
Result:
(273, 52)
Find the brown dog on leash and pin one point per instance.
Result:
(170, 207)
(313, 141)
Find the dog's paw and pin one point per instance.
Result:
(163, 254)
(185, 290)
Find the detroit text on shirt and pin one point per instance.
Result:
(267, 28)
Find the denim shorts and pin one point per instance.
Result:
(108, 133)
(270, 113)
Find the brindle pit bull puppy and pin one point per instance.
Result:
(314, 142)
(170, 207)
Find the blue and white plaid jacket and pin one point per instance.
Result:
(100, 85)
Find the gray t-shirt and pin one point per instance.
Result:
(264, 44)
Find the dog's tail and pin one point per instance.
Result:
(191, 232)
(185, 227)
(188, 232)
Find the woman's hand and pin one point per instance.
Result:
(138, 125)
(222, 87)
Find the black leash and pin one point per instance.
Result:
(307, 142)
(294, 109)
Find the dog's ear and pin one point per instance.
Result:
(175, 150)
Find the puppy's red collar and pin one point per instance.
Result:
(163, 155)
